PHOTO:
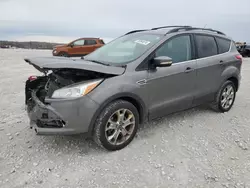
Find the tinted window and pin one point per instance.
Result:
(101, 41)
(178, 48)
(79, 43)
(223, 45)
(90, 42)
(206, 46)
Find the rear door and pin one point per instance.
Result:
(211, 60)
(89, 46)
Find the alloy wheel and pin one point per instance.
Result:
(227, 97)
(120, 126)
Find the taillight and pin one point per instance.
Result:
(239, 57)
(31, 78)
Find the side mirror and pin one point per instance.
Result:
(71, 45)
(162, 61)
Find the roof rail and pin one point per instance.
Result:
(155, 28)
(134, 31)
(194, 28)
(185, 26)
(178, 28)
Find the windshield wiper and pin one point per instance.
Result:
(98, 62)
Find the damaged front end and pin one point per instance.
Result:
(53, 113)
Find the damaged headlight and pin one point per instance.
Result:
(76, 90)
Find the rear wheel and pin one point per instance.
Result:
(117, 125)
(225, 97)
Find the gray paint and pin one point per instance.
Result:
(158, 92)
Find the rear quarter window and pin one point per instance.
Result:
(101, 41)
(90, 42)
(206, 46)
(223, 45)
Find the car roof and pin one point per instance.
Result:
(165, 30)
(89, 38)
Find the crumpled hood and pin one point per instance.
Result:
(44, 64)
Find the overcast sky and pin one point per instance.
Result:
(24, 19)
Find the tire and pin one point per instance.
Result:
(219, 104)
(104, 128)
(63, 54)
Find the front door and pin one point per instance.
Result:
(171, 88)
(77, 47)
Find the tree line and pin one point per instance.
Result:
(28, 45)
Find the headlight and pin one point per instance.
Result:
(76, 90)
(54, 51)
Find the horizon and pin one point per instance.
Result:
(31, 20)
(49, 39)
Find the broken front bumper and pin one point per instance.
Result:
(61, 116)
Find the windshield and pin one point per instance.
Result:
(124, 49)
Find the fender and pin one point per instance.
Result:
(143, 108)
(229, 72)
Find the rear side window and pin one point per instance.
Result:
(206, 46)
(223, 45)
(90, 42)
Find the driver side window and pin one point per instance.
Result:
(178, 48)
(79, 43)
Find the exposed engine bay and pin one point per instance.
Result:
(44, 86)
(63, 78)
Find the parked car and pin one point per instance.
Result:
(79, 47)
(244, 50)
(140, 76)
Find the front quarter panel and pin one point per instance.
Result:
(126, 83)
(117, 87)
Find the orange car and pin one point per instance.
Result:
(79, 47)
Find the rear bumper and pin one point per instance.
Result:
(61, 117)
(239, 82)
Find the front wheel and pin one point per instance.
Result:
(63, 54)
(225, 97)
(117, 125)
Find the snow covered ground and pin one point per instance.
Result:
(195, 148)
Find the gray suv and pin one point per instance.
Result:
(140, 76)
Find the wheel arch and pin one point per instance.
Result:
(235, 81)
(232, 74)
(132, 98)
(63, 52)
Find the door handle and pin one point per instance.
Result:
(188, 69)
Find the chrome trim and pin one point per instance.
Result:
(205, 57)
